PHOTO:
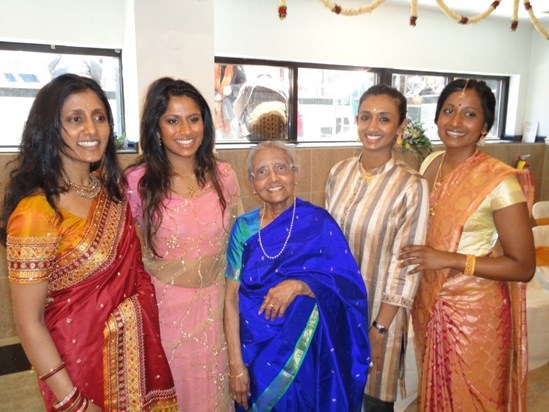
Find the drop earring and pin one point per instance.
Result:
(482, 139)
(159, 138)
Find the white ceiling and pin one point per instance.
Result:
(471, 8)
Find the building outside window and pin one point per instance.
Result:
(26, 68)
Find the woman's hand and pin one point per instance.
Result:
(281, 296)
(239, 386)
(421, 258)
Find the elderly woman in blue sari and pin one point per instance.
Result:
(295, 307)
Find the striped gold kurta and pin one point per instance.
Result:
(380, 214)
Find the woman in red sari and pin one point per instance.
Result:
(84, 307)
(469, 315)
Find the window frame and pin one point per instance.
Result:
(383, 75)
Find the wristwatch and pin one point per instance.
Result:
(380, 329)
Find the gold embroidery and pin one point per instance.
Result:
(96, 250)
(30, 258)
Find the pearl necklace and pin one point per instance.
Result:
(287, 237)
(88, 192)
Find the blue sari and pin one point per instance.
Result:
(316, 357)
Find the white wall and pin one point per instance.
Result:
(383, 38)
(180, 38)
(537, 106)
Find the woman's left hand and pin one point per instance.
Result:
(420, 258)
(279, 297)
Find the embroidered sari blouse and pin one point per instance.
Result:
(43, 248)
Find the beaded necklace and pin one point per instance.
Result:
(287, 237)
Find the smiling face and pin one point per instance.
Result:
(181, 128)
(274, 177)
(461, 120)
(378, 124)
(84, 129)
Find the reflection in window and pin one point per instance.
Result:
(26, 68)
(251, 102)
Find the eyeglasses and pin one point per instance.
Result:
(280, 169)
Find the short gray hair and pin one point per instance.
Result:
(278, 144)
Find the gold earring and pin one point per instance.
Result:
(159, 138)
(482, 139)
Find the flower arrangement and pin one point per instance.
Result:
(415, 139)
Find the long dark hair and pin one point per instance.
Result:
(39, 167)
(487, 98)
(156, 181)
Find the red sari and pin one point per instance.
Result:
(470, 332)
(101, 309)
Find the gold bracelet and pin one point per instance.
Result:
(239, 374)
(52, 372)
(470, 263)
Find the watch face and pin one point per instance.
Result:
(380, 329)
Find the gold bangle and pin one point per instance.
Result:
(239, 374)
(52, 372)
(470, 263)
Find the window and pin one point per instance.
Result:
(25, 68)
(313, 103)
(327, 103)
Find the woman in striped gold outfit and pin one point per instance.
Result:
(381, 204)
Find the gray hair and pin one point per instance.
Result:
(277, 144)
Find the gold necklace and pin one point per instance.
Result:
(89, 191)
(437, 182)
(190, 190)
(369, 175)
(287, 237)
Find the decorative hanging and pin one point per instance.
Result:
(541, 30)
(413, 12)
(514, 16)
(282, 9)
(466, 20)
(374, 4)
(337, 9)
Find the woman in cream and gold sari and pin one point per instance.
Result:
(469, 315)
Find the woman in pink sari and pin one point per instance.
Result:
(469, 315)
(185, 202)
(84, 307)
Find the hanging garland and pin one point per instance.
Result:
(466, 20)
(337, 9)
(541, 30)
(514, 16)
(413, 13)
(282, 9)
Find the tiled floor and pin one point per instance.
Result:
(19, 392)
